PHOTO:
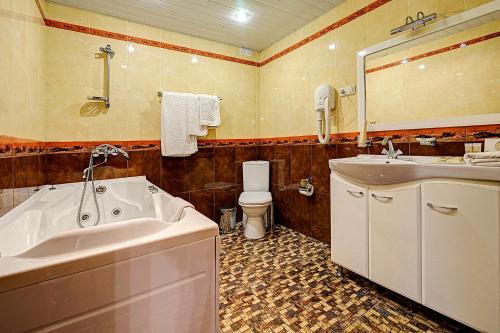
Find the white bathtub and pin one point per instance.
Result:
(133, 272)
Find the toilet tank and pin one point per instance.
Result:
(256, 176)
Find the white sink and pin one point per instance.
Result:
(379, 170)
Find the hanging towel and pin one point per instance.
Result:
(175, 207)
(209, 110)
(175, 141)
(194, 126)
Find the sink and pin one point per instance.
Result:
(379, 170)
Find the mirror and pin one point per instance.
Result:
(446, 74)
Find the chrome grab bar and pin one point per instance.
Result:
(381, 197)
(451, 209)
(108, 53)
(355, 193)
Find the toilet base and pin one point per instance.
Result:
(254, 228)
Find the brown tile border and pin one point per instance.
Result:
(14, 146)
(435, 52)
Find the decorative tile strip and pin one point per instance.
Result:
(148, 42)
(479, 133)
(435, 52)
(374, 5)
(67, 26)
(14, 146)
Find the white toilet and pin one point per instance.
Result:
(256, 198)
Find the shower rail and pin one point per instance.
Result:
(108, 53)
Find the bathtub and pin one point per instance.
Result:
(133, 272)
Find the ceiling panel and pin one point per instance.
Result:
(271, 20)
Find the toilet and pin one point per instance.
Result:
(256, 198)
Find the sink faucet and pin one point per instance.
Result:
(390, 153)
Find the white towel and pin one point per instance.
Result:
(485, 154)
(194, 126)
(209, 110)
(174, 209)
(486, 159)
(175, 141)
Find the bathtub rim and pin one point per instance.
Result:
(21, 270)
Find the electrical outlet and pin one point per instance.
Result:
(348, 90)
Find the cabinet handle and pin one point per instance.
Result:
(355, 194)
(381, 197)
(451, 209)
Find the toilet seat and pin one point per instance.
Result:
(255, 198)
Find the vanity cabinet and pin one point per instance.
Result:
(395, 239)
(435, 241)
(461, 252)
(349, 214)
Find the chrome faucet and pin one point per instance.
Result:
(88, 174)
(103, 150)
(390, 153)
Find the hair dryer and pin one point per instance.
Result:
(324, 101)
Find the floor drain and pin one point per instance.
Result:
(116, 212)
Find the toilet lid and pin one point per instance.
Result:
(255, 198)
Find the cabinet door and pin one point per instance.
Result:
(395, 239)
(460, 235)
(349, 212)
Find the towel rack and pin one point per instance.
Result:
(160, 94)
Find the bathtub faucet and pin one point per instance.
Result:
(103, 150)
(88, 174)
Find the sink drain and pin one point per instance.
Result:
(116, 212)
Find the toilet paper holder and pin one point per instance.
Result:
(306, 187)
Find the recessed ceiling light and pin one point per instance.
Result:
(332, 46)
(241, 16)
(422, 66)
(194, 60)
(131, 48)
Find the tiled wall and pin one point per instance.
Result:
(147, 60)
(212, 178)
(294, 66)
(22, 83)
(22, 97)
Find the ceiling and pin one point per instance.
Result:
(271, 20)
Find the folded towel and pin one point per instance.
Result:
(489, 164)
(175, 207)
(175, 140)
(194, 126)
(485, 154)
(484, 160)
(209, 110)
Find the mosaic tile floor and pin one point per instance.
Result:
(287, 283)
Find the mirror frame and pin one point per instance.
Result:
(416, 37)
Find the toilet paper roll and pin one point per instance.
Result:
(308, 191)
